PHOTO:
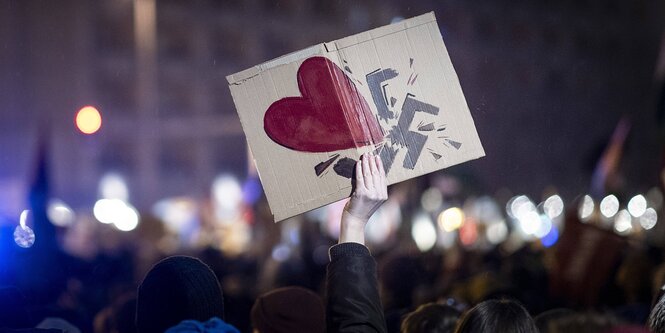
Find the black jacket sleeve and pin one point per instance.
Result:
(352, 294)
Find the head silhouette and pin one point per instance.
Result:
(431, 318)
(176, 289)
(497, 316)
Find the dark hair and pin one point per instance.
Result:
(431, 318)
(175, 289)
(289, 309)
(656, 321)
(497, 316)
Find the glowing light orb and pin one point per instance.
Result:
(59, 213)
(128, 219)
(637, 205)
(88, 120)
(423, 232)
(431, 199)
(553, 206)
(228, 196)
(451, 219)
(497, 232)
(529, 222)
(551, 238)
(609, 206)
(113, 186)
(24, 236)
(117, 212)
(468, 233)
(586, 208)
(649, 218)
(623, 222)
(544, 227)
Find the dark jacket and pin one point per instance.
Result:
(352, 293)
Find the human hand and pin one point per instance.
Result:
(370, 192)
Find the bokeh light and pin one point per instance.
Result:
(59, 213)
(179, 214)
(637, 205)
(113, 186)
(281, 252)
(451, 219)
(553, 206)
(496, 232)
(609, 206)
(24, 236)
(544, 227)
(529, 222)
(423, 232)
(88, 120)
(128, 218)
(117, 212)
(468, 233)
(431, 199)
(623, 222)
(649, 219)
(586, 208)
(551, 238)
(227, 194)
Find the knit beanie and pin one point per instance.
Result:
(289, 309)
(176, 289)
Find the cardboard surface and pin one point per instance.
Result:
(309, 115)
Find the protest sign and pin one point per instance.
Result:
(309, 115)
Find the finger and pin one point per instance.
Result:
(376, 176)
(379, 165)
(382, 174)
(360, 180)
(367, 173)
(373, 167)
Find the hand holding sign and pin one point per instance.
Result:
(371, 190)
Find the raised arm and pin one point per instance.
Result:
(352, 294)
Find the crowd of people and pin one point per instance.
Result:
(354, 291)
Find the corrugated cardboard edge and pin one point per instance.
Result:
(379, 32)
(237, 78)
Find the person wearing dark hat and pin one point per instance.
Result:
(179, 289)
(289, 309)
(352, 293)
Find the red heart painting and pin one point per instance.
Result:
(331, 115)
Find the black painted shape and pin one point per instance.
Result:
(413, 141)
(321, 167)
(455, 144)
(395, 136)
(426, 127)
(393, 100)
(348, 69)
(436, 156)
(345, 167)
(374, 81)
(415, 144)
(388, 154)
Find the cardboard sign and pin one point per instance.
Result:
(310, 115)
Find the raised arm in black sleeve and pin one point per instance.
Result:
(352, 294)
